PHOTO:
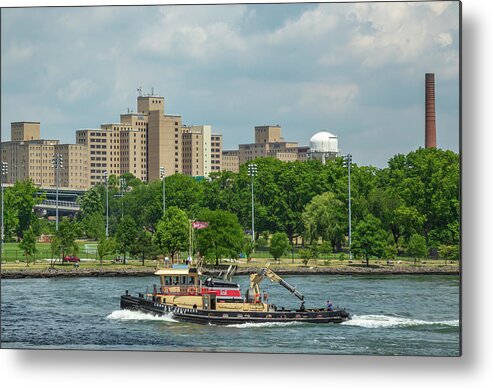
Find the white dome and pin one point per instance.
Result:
(324, 142)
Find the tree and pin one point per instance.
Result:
(125, 235)
(23, 198)
(143, 246)
(172, 232)
(92, 202)
(28, 245)
(131, 180)
(451, 252)
(279, 245)
(406, 221)
(184, 192)
(428, 180)
(106, 247)
(309, 253)
(223, 236)
(416, 246)
(369, 239)
(11, 221)
(325, 217)
(145, 205)
(390, 252)
(64, 240)
(94, 226)
(248, 247)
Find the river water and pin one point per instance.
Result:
(392, 315)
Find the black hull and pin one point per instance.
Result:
(216, 317)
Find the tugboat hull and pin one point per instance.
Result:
(219, 317)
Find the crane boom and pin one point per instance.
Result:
(273, 277)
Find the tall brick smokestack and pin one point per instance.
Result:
(430, 119)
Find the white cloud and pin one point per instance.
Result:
(327, 98)
(18, 53)
(312, 23)
(438, 7)
(193, 33)
(410, 34)
(76, 90)
(444, 39)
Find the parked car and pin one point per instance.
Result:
(71, 259)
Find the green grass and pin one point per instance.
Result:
(12, 254)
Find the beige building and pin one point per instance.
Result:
(74, 173)
(164, 140)
(140, 144)
(216, 152)
(116, 149)
(270, 143)
(28, 156)
(201, 150)
(231, 161)
(25, 131)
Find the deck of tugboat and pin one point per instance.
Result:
(219, 317)
(189, 298)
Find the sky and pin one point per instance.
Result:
(356, 70)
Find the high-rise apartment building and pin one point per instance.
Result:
(141, 144)
(216, 152)
(201, 150)
(164, 148)
(28, 156)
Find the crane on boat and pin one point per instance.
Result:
(257, 277)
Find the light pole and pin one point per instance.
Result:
(106, 183)
(252, 172)
(163, 177)
(347, 163)
(5, 171)
(123, 184)
(57, 163)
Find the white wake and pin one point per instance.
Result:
(247, 325)
(129, 315)
(377, 321)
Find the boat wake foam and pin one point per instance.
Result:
(247, 325)
(129, 315)
(378, 321)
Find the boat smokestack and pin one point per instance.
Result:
(430, 115)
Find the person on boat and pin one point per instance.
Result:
(166, 261)
(329, 305)
(265, 297)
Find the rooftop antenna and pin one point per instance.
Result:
(128, 110)
(139, 89)
(152, 91)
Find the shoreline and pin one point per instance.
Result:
(135, 271)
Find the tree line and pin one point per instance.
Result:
(411, 206)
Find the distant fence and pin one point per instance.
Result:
(15, 254)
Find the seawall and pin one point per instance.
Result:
(146, 271)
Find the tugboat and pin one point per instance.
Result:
(217, 301)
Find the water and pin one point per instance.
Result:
(392, 315)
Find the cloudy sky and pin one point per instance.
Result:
(355, 69)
